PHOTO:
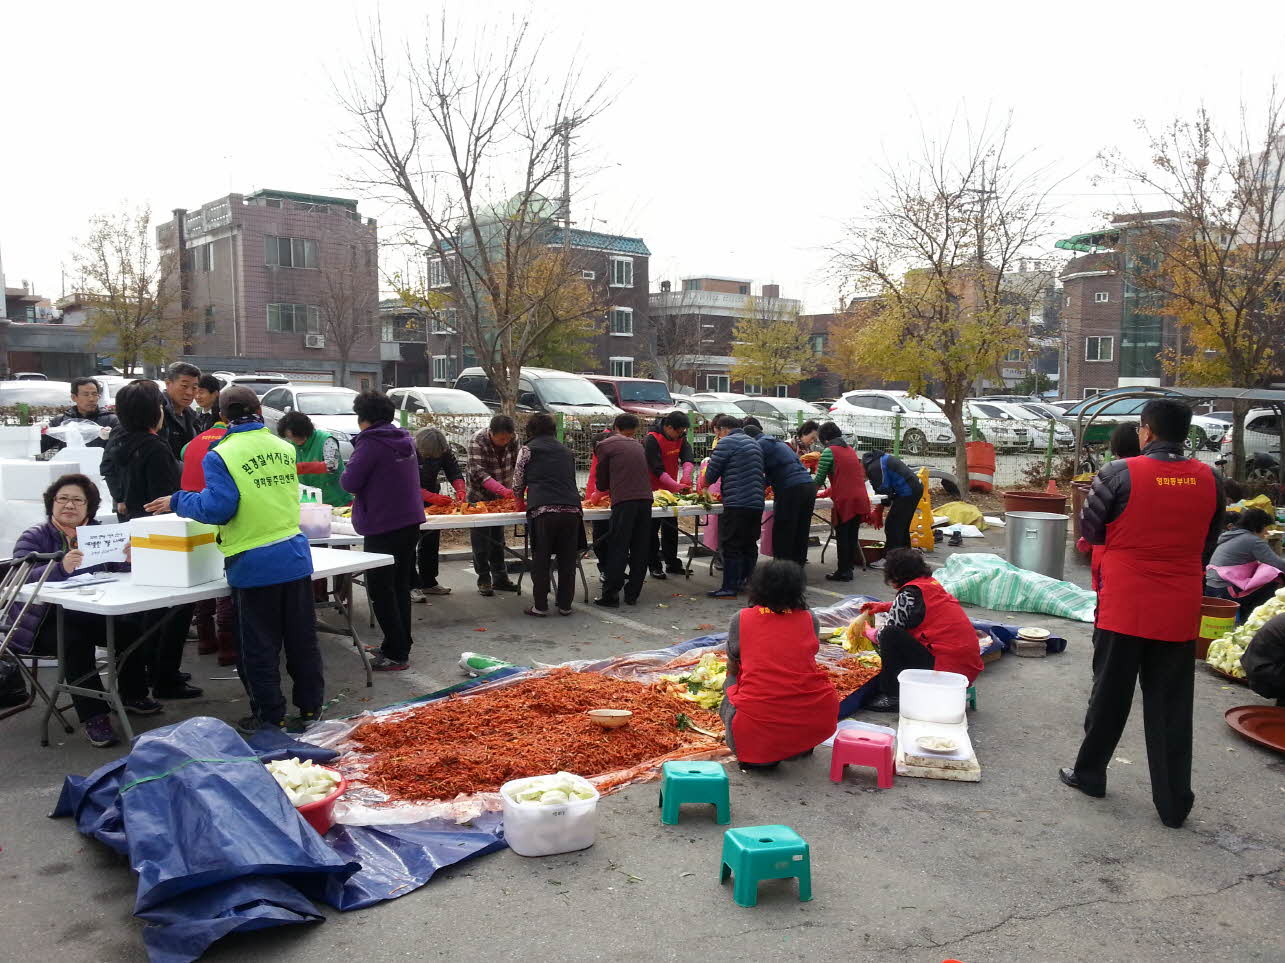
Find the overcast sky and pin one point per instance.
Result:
(741, 138)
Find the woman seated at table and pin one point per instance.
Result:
(72, 501)
(926, 628)
(777, 702)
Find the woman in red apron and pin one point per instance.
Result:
(777, 703)
(842, 468)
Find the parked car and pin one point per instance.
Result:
(260, 383)
(1226, 417)
(1206, 433)
(644, 397)
(328, 406)
(1001, 427)
(1262, 433)
(1014, 398)
(29, 376)
(36, 394)
(443, 403)
(702, 412)
(871, 418)
(543, 389)
(718, 396)
(778, 416)
(1042, 414)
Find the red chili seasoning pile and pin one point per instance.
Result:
(849, 675)
(477, 743)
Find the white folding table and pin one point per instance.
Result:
(122, 597)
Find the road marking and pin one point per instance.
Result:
(622, 620)
(821, 591)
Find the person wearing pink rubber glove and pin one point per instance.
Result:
(492, 459)
(670, 461)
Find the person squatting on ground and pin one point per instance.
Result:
(252, 493)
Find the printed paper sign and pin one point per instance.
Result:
(102, 543)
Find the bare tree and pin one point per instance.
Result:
(447, 129)
(1215, 263)
(348, 309)
(933, 248)
(131, 289)
(678, 337)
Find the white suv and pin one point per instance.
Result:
(871, 416)
(1262, 433)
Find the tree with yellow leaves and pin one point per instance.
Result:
(770, 344)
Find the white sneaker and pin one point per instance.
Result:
(877, 564)
(417, 595)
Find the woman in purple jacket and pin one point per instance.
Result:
(70, 502)
(387, 508)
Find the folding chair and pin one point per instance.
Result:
(16, 571)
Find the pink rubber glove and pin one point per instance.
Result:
(433, 498)
(686, 477)
(519, 504)
(495, 488)
(667, 482)
(871, 607)
(823, 493)
(459, 490)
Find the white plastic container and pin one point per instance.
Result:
(27, 479)
(315, 520)
(173, 551)
(19, 441)
(88, 459)
(536, 830)
(931, 696)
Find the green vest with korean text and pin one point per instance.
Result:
(262, 467)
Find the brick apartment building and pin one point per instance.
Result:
(694, 330)
(268, 278)
(1110, 338)
(431, 351)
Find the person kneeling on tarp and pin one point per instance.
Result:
(926, 628)
(777, 702)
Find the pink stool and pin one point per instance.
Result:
(856, 748)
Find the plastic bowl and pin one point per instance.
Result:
(321, 814)
(610, 718)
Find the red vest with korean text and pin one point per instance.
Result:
(848, 485)
(669, 452)
(1152, 575)
(946, 631)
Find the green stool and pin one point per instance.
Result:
(752, 854)
(970, 694)
(694, 782)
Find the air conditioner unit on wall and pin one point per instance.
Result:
(314, 340)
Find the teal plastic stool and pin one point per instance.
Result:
(752, 854)
(694, 782)
(970, 694)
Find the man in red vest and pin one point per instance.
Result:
(214, 619)
(1158, 517)
(671, 463)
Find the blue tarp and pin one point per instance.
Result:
(219, 849)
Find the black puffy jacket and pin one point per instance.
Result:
(737, 459)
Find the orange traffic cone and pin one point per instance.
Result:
(1052, 489)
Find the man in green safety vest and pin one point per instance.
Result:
(317, 453)
(252, 493)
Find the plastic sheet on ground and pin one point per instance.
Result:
(219, 849)
(989, 581)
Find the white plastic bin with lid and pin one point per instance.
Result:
(931, 696)
(26, 479)
(532, 829)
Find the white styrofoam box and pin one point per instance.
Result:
(19, 441)
(88, 459)
(539, 830)
(26, 478)
(182, 552)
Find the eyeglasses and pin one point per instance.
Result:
(70, 500)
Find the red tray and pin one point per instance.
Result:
(1264, 725)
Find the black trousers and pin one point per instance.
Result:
(738, 535)
(664, 543)
(601, 531)
(792, 522)
(268, 619)
(555, 535)
(845, 539)
(164, 651)
(1166, 671)
(896, 523)
(388, 588)
(627, 544)
(898, 650)
(488, 553)
(82, 631)
(430, 544)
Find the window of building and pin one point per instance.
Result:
(203, 258)
(209, 319)
(294, 318)
(691, 284)
(438, 275)
(1014, 355)
(1101, 297)
(589, 275)
(295, 252)
(716, 382)
(1068, 300)
(818, 344)
(441, 367)
(622, 367)
(743, 289)
(622, 272)
(1099, 348)
(622, 321)
(753, 387)
(1090, 392)
(444, 322)
(783, 391)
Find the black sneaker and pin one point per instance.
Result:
(505, 585)
(676, 568)
(297, 724)
(143, 706)
(382, 663)
(658, 574)
(179, 690)
(883, 703)
(484, 587)
(608, 602)
(838, 576)
(252, 724)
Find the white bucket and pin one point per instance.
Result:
(536, 830)
(931, 696)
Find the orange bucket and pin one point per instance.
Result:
(1217, 618)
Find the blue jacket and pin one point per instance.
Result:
(274, 564)
(781, 465)
(738, 461)
(888, 475)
